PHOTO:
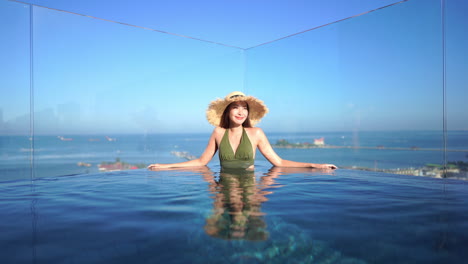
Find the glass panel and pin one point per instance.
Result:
(457, 92)
(104, 91)
(370, 86)
(15, 146)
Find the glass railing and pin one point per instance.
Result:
(456, 81)
(16, 142)
(372, 92)
(365, 93)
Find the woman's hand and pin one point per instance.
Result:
(156, 166)
(327, 166)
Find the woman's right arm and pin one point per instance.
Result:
(206, 157)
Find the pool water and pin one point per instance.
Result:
(205, 215)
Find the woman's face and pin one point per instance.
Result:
(238, 112)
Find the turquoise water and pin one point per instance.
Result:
(207, 216)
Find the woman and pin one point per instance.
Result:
(236, 138)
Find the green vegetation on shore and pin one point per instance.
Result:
(283, 143)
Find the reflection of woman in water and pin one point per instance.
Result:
(237, 200)
(236, 138)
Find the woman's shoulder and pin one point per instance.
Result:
(219, 130)
(255, 131)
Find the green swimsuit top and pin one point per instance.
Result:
(244, 156)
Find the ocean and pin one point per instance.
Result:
(57, 155)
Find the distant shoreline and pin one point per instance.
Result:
(305, 146)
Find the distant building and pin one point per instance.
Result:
(319, 141)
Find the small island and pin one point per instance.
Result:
(283, 143)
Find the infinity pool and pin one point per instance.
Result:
(204, 215)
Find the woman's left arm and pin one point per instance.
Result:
(267, 151)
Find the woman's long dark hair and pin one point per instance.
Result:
(225, 122)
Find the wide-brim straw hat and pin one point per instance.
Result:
(257, 109)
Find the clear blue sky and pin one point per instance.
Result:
(378, 71)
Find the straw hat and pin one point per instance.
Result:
(257, 109)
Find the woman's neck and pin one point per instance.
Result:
(236, 128)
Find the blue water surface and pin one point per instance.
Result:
(205, 215)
